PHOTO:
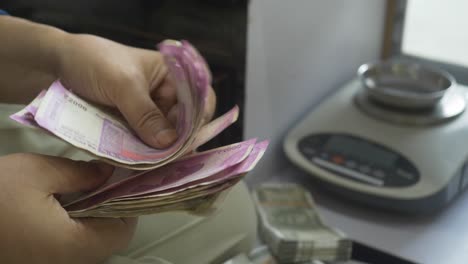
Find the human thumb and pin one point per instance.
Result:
(147, 119)
(69, 176)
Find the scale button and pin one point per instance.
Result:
(308, 150)
(351, 164)
(364, 169)
(379, 174)
(324, 155)
(312, 141)
(337, 159)
(405, 174)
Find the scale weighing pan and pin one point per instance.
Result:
(403, 166)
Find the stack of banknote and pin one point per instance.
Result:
(149, 180)
(262, 255)
(292, 228)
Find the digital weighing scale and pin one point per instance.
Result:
(412, 161)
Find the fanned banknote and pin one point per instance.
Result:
(109, 137)
(200, 175)
(149, 180)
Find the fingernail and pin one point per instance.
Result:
(166, 137)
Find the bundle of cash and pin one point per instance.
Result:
(192, 183)
(261, 255)
(292, 228)
(149, 180)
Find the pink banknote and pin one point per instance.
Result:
(86, 126)
(192, 168)
(174, 171)
(227, 174)
(149, 186)
(213, 128)
(26, 115)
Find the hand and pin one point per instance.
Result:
(34, 226)
(136, 81)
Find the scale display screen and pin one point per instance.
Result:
(361, 150)
(358, 159)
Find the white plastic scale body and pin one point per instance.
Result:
(415, 169)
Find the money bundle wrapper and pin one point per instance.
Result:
(149, 180)
(292, 228)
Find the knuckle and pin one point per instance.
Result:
(159, 74)
(150, 121)
(126, 82)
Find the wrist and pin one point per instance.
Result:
(53, 52)
(31, 46)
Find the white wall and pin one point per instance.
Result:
(298, 52)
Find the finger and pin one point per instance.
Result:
(165, 95)
(172, 115)
(210, 106)
(69, 176)
(104, 236)
(146, 118)
(208, 113)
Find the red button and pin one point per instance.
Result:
(338, 159)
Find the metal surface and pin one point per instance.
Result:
(449, 107)
(404, 84)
